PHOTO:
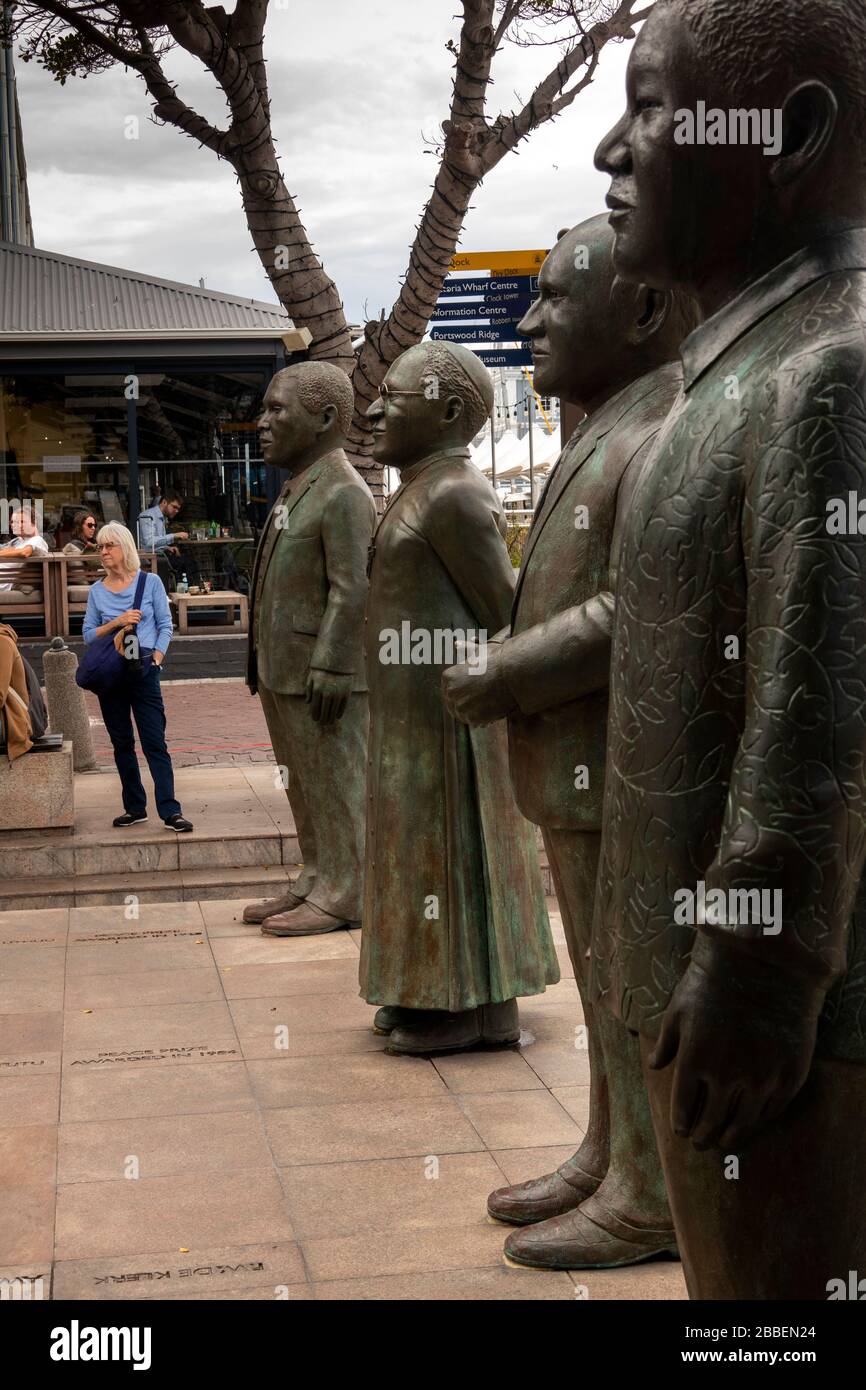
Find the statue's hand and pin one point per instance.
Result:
(741, 1039)
(477, 693)
(327, 694)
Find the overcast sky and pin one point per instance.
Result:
(355, 89)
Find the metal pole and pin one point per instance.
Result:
(493, 435)
(6, 221)
(132, 457)
(531, 452)
(12, 128)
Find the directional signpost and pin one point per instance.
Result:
(486, 309)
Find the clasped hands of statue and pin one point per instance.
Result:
(739, 1035)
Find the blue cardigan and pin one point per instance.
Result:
(154, 630)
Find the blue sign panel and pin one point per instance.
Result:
(505, 357)
(505, 332)
(461, 313)
(455, 288)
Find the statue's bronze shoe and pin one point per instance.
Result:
(554, 1194)
(578, 1241)
(490, 1025)
(304, 920)
(255, 913)
(392, 1016)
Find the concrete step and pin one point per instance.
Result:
(104, 890)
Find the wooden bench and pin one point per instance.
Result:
(226, 599)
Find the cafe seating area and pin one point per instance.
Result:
(48, 597)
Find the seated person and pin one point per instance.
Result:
(152, 535)
(22, 708)
(83, 542)
(26, 541)
(152, 532)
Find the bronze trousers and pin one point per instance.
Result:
(619, 1140)
(787, 1215)
(325, 769)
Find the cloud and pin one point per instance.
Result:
(354, 92)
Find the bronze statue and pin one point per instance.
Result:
(730, 910)
(455, 925)
(609, 348)
(305, 654)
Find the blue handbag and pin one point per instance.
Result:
(102, 666)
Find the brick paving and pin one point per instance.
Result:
(207, 723)
(191, 1110)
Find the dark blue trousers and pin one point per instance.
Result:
(140, 696)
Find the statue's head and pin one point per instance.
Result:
(307, 406)
(435, 396)
(743, 138)
(590, 331)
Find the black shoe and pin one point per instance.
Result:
(178, 823)
(129, 819)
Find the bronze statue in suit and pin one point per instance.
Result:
(731, 913)
(455, 924)
(305, 655)
(609, 348)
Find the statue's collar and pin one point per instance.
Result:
(407, 474)
(703, 347)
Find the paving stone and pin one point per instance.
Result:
(519, 1119)
(575, 1100)
(201, 1273)
(34, 994)
(338, 1199)
(519, 1165)
(151, 1026)
(256, 1019)
(657, 1279)
(171, 1213)
(27, 1224)
(29, 1099)
(28, 1155)
(303, 978)
(100, 1151)
(123, 953)
(485, 1070)
(424, 1251)
(204, 1087)
(477, 1285)
(559, 1062)
(47, 924)
(372, 1129)
(251, 948)
(319, 1080)
(30, 1032)
(144, 987)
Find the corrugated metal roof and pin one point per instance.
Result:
(44, 293)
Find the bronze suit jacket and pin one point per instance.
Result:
(309, 583)
(737, 734)
(557, 663)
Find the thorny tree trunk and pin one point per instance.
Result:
(302, 285)
(231, 47)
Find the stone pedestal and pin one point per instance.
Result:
(37, 791)
(67, 710)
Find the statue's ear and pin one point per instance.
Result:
(808, 122)
(453, 410)
(327, 416)
(649, 313)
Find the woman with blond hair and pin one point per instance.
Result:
(138, 692)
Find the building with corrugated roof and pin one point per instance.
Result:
(116, 386)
